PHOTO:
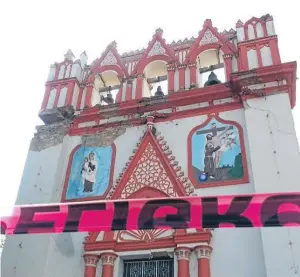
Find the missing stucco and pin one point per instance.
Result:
(105, 138)
(49, 135)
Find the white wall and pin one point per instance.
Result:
(278, 171)
(237, 252)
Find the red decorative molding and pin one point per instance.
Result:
(68, 172)
(243, 180)
(196, 48)
(143, 235)
(152, 166)
(168, 56)
(200, 237)
(98, 68)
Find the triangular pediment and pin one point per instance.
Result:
(157, 47)
(152, 166)
(210, 35)
(110, 57)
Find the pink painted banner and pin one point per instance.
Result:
(240, 211)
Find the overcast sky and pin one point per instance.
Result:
(35, 34)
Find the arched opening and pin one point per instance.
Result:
(155, 81)
(210, 64)
(148, 193)
(106, 87)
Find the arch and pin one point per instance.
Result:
(140, 67)
(191, 175)
(211, 46)
(68, 173)
(101, 69)
(253, 21)
(148, 193)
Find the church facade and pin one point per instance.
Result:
(161, 122)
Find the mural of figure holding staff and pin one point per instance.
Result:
(216, 153)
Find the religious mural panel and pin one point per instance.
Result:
(90, 172)
(216, 154)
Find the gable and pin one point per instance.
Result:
(153, 167)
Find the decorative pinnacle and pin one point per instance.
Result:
(69, 55)
(239, 24)
(208, 22)
(113, 44)
(159, 31)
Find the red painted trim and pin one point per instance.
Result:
(122, 71)
(62, 81)
(228, 67)
(116, 68)
(181, 78)
(75, 131)
(139, 88)
(226, 47)
(148, 138)
(70, 93)
(258, 53)
(193, 75)
(212, 46)
(88, 96)
(46, 98)
(144, 62)
(148, 192)
(79, 98)
(245, 178)
(171, 74)
(143, 245)
(128, 95)
(256, 20)
(198, 95)
(59, 87)
(119, 94)
(68, 172)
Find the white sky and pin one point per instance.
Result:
(35, 34)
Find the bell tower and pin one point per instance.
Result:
(202, 116)
(63, 88)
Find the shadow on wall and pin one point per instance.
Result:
(64, 244)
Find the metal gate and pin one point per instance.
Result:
(149, 268)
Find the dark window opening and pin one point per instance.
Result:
(149, 268)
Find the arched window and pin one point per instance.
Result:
(207, 62)
(106, 87)
(155, 79)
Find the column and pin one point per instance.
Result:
(193, 75)
(90, 265)
(183, 261)
(203, 257)
(139, 87)
(181, 70)
(89, 95)
(108, 262)
(228, 66)
(70, 93)
(46, 98)
(171, 73)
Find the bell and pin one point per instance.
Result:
(159, 92)
(212, 80)
(108, 99)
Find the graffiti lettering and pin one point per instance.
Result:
(262, 210)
